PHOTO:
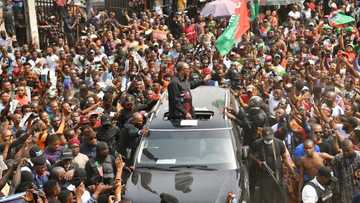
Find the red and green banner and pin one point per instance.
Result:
(238, 25)
(340, 20)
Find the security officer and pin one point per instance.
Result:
(180, 99)
(317, 190)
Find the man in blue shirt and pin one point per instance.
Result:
(40, 171)
(300, 151)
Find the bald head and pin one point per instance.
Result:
(57, 172)
(137, 119)
(347, 148)
(5, 134)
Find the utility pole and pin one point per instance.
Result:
(32, 33)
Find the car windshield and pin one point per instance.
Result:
(209, 148)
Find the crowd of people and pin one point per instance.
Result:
(73, 112)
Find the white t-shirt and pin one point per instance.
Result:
(307, 13)
(295, 15)
(308, 194)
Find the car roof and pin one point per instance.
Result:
(205, 99)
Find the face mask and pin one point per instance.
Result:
(268, 141)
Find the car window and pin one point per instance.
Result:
(213, 148)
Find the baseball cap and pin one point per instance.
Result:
(84, 120)
(105, 120)
(74, 141)
(268, 58)
(268, 134)
(326, 172)
(66, 155)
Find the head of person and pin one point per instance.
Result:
(347, 148)
(349, 123)
(66, 196)
(66, 108)
(268, 135)
(44, 116)
(56, 121)
(277, 59)
(79, 177)
(69, 133)
(75, 117)
(280, 113)
(52, 189)
(5, 97)
(277, 94)
(106, 121)
(27, 180)
(183, 70)
(137, 119)
(89, 136)
(317, 131)
(54, 106)
(355, 136)
(20, 91)
(6, 135)
(325, 176)
(53, 143)
(129, 102)
(330, 98)
(74, 144)
(66, 159)
(57, 173)
(102, 150)
(309, 147)
(40, 166)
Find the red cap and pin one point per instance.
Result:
(206, 71)
(74, 141)
(84, 120)
(268, 58)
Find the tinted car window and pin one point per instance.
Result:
(213, 148)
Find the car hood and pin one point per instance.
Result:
(195, 186)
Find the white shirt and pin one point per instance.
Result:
(13, 104)
(295, 15)
(309, 194)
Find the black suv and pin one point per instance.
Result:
(191, 161)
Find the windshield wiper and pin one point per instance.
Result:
(155, 168)
(194, 166)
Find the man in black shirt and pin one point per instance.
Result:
(269, 153)
(180, 100)
(130, 136)
(108, 133)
